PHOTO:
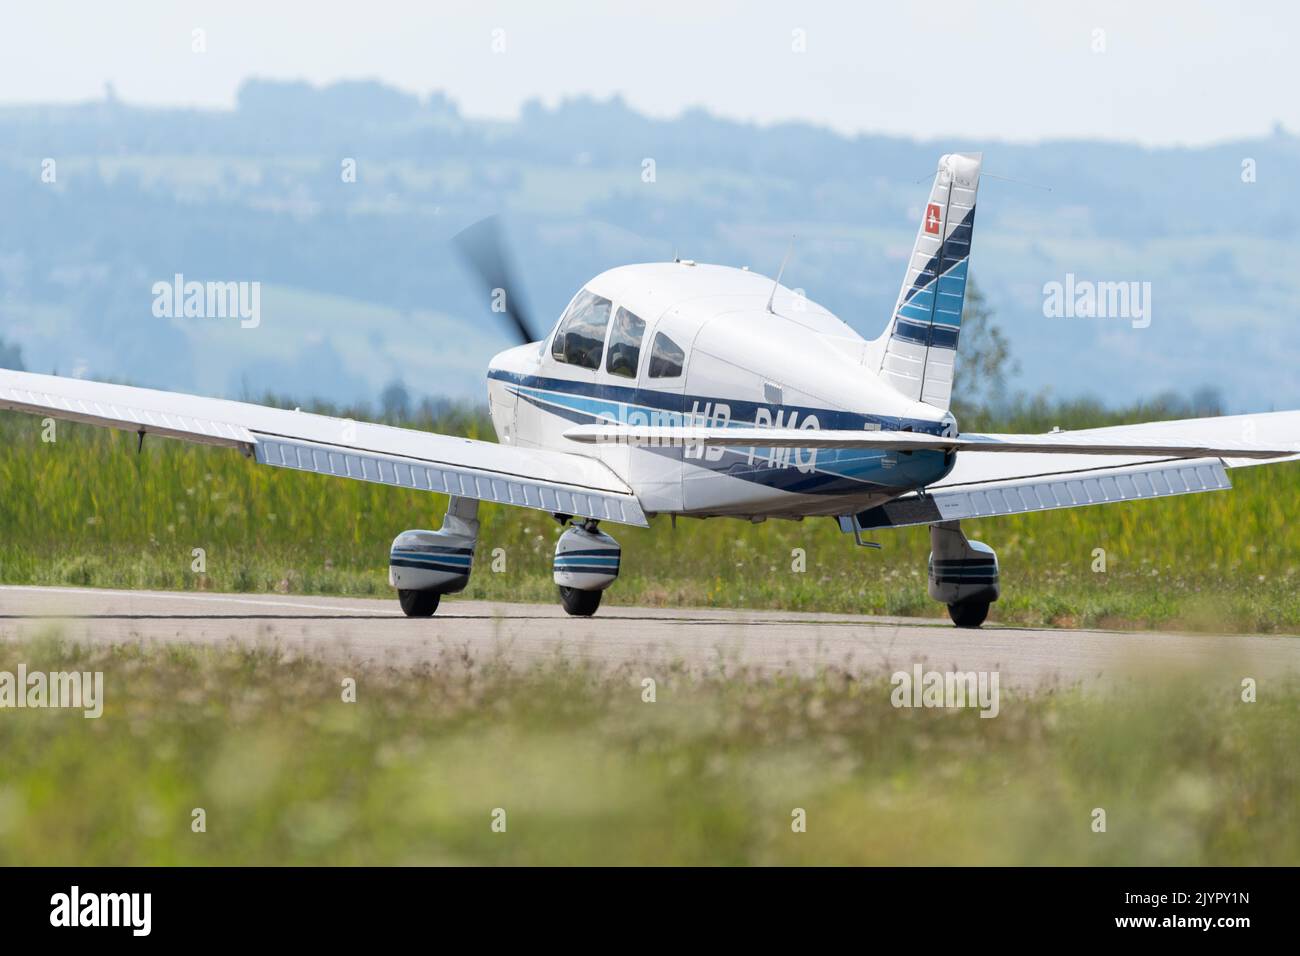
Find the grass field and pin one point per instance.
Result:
(586, 771)
(87, 510)
(583, 768)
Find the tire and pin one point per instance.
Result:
(969, 613)
(418, 603)
(580, 603)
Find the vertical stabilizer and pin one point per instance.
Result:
(920, 344)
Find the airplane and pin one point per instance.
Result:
(685, 389)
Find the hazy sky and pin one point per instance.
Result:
(1185, 71)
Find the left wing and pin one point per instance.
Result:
(552, 481)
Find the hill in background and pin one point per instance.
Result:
(359, 286)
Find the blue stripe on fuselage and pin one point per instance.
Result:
(610, 397)
(827, 471)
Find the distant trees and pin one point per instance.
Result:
(395, 402)
(11, 356)
(984, 362)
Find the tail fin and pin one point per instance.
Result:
(920, 344)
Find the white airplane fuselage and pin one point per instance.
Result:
(796, 366)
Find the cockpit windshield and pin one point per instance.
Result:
(581, 336)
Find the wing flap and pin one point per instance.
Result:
(464, 482)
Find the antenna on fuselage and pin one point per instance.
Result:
(780, 272)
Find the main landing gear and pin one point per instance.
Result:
(425, 565)
(963, 574)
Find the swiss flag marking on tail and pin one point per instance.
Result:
(933, 217)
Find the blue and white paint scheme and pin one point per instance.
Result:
(758, 354)
(684, 389)
(920, 345)
(802, 368)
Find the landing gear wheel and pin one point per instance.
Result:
(580, 603)
(418, 603)
(969, 613)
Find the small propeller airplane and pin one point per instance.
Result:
(679, 388)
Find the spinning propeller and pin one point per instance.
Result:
(482, 250)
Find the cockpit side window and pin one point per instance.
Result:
(581, 335)
(624, 353)
(666, 358)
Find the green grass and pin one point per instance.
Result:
(587, 772)
(87, 510)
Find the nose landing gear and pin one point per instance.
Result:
(586, 562)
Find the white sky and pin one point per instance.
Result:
(1172, 72)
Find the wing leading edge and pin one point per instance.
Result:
(403, 457)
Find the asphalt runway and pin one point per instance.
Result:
(763, 642)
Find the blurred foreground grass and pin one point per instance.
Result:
(587, 772)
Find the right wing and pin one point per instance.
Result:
(1006, 483)
(557, 482)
